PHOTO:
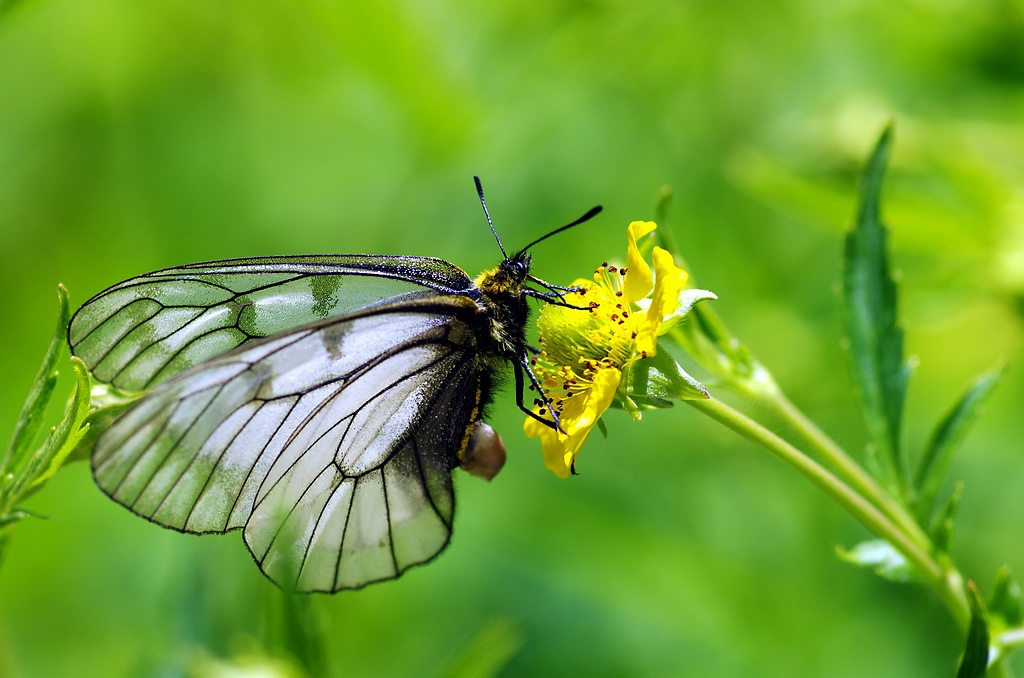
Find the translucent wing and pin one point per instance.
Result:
(144, 330)
(331, 444)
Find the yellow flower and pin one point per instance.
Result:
(584, 353)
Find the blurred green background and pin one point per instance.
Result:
(137, 135)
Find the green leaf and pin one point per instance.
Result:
(875, 338)
(655, 378)
(488, 652)
(71, 429)
(33, 411)
(14, 517)
(974, 663)
(938, 453)
(880, 556)
(294, 631)
(942, 527)
(1007, 602)
(97, 421)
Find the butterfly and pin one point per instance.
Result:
(317, 403)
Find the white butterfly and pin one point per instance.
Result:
(319, 403)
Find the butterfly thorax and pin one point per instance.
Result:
(503, 297)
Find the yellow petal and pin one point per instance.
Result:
(599, 398)
(533, 428)
(554, 450)
(669, 280)
(638, 278)
(579, 416)
(556, 457)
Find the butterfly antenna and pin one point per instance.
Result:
(483, 203)
(591, 213)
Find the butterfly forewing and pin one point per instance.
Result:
(331, 443)
(149, 328)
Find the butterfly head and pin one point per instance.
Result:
(508, 278)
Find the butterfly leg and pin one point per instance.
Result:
(520, 366)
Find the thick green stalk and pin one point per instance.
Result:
(845, 466)
(943, 582)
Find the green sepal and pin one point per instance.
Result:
(688, 298)
(625, 402)
(656, 378)
(941, 530)
(881, 557)
(648, 403)
(1007, 602)
(974, 663)
(634, 406)
(602, 428)
(870, 318)
(938, 453)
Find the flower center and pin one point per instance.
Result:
(576, 344)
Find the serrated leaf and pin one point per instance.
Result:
(881, 557)
(659, 377)
(875, 337)
(72, 428)
(1007, 602)
(30, 421)
(95, 424)
(938, 453)
(974, 663)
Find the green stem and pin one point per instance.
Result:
(938, 579)
(845, 466)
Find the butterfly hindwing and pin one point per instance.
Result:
(332, 444)
(148, 328)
